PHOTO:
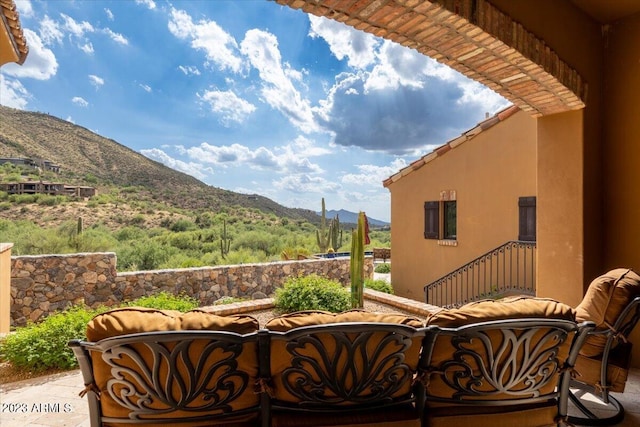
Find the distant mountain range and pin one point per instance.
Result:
(352, 218)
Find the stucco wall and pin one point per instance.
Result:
(489, 173)
(622, 151)
(41, 285)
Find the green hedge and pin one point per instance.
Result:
(312, 292)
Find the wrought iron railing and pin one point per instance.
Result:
(506, 270)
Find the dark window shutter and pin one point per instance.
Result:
(527, 223)
(431, 220)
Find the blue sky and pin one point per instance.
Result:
(245, 95)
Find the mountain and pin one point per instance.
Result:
(352, 218)
(86, 158)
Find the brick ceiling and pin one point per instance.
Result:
(472, 37)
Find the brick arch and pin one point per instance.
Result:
(472, 37)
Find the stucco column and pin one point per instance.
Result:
(560, 207)
(5, 287)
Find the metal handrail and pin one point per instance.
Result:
(508, 269)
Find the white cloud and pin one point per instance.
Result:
(149, 4)
(357, 46)
(24, 8)
(50, 31)
(278, 91)
(41, 63)
(78, 29)
(189, 70)
(292, 158)
(86, 48)
(226, 103)
(219, 47)
(12, 93)
(96, 81)
(373, 175)
(79, 101)
(116, 37)
(109, 14)
(146, 88)
(194, 169)
(304, 183)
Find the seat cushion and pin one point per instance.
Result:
(508, 308)
(605, 299)
(132, 320)
(589, 368)
(533, 415)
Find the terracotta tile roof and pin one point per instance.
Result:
(11, 19)
(443, 149)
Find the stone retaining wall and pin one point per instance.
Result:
(43, 284)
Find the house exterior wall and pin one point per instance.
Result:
(488, 173)
(621, 152)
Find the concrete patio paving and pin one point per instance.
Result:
(53, 402)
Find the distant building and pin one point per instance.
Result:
(51, 188)
(45, 165)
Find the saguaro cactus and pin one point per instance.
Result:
(357, 263)
(335, 233)
(321, 235)
(225, 240)
(330, 237)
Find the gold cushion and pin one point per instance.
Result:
(509, 308)
(536, 415)
(605, 299)
(589, 368)
(132, 320)
(300, 319)
(202, 364)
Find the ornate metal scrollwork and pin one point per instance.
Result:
(155, 378)
(519, 364)
(352, 373)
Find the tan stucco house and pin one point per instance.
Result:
(462, 200)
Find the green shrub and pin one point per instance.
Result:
(379, 285)
(44, 345)
(166, 301)
(312, 293)
(383, 268)
(182, 225)
(41, 346)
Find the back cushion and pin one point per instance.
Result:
(605, 299)
(132, 320)
(225, 372)
(299, 319)
(510, 308)
(316, 367)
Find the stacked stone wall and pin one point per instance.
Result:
(41, 285)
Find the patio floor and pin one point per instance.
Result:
(53, 401)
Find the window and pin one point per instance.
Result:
(431, 220)
(440, 220)
(449, 220)
(527, 223)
